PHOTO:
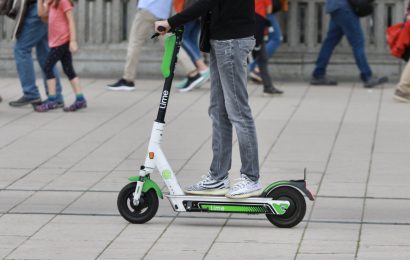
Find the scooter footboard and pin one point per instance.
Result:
(257, 205)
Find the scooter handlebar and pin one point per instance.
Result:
(161, 29)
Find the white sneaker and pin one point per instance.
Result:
(245, 188)
(209, 186)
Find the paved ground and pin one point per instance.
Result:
(60, 174)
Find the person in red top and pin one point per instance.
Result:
(62, 41)
(262, 8)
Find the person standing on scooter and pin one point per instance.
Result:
(231, 31)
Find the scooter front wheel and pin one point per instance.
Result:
(141, 213)
(296, 211)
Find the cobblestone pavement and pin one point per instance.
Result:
(60, 174)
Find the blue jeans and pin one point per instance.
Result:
(190, 40)
(229, 107)
(343, 22)
(33, 35)
(274, 40)
(275, 37)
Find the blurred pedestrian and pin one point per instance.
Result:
(62, 40)
(343, 21)
(148, 12)
(274, 37)
(262, 8)
(402, 92)
(190, 44)
(30, 33)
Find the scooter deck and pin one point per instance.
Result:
(221, 204)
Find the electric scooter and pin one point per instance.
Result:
(282, 202)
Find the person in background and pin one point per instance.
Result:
(402, 91)
(62, 40)
(274, 37)
(343, 21)
(262, 8)
(30, 32)
(148, 12)
(231, 30)
(190, 44)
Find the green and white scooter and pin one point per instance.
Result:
(282, 202)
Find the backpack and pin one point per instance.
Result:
(362, 7)
(5, 6)
(398, 40)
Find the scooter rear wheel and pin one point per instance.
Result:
(144, 211)
(296, 211)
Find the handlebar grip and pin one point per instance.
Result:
(161, 29)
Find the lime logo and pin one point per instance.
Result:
(213, 207)
(280, 209)
(217, 208)
(167, 174)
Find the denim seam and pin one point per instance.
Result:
(237, 104)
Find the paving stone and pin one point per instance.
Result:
(70, 237)
(389, 211)
(136, 240)
(331, 209)
(8, 176)
(46, 202)
(380, 242)
(22, 224)
(94, 203)
(75, 180)
(37, 179)
(9, 199)
(186, 239)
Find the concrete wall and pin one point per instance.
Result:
(103, 26)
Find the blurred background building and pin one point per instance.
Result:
(103, 27)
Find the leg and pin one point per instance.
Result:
(53, 57)
(262, 59)
(231, 58)
(404, 84)
(142, 25)
(334, 35)
(275, 37)
(33, 31)
(350, 24)
(221, 125)
(190, 43)
(42, 51)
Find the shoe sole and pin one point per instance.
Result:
(256, 193)
(121, 88)
(321, 84)
(401, 99)
(208, 192)
(271, 94)
(34, 103)
(181, 84)
(192, 86)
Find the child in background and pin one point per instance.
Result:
(62, 41)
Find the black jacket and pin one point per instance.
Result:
(230, 19)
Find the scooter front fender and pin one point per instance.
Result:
(148, 184)
(299, 185)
